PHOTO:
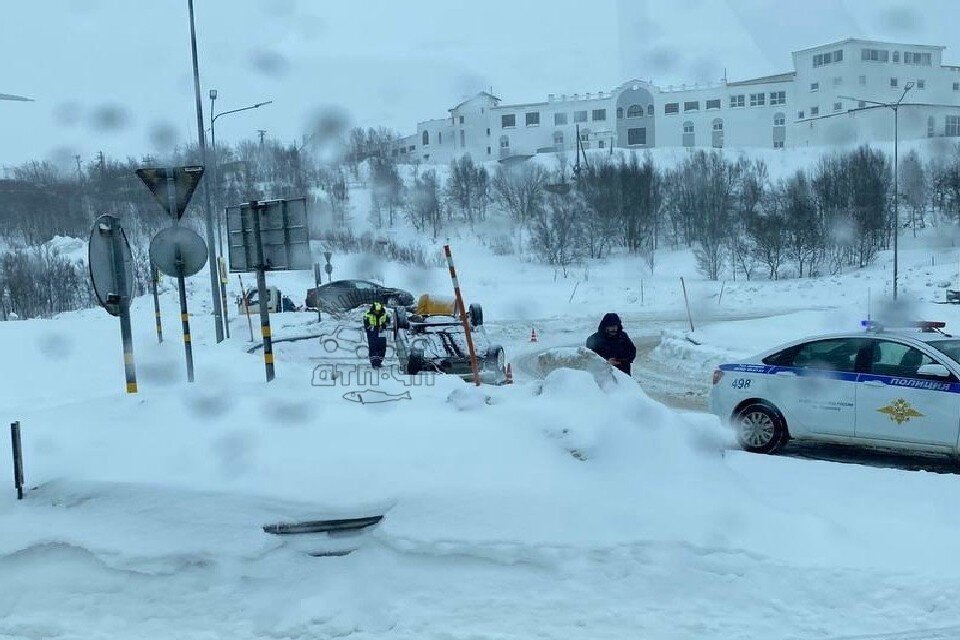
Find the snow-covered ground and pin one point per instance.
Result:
(553, 508)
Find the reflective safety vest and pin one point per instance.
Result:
(374, 321)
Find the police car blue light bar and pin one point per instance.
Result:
(925, 326)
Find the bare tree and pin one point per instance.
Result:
(519, 190)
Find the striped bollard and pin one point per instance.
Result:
(463, 314)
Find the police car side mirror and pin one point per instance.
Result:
(934, 371)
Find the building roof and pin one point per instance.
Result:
(865, 41)
(482, 93)
(779, 77)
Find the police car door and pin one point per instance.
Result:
(819, 388)
(895, 403)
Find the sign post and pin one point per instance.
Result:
(17, 458)
(154, 278)
(268, 235)
(328, 267)
(111, 269)
(316, 283)
(177, 251)
(222, 268)
(265, 332)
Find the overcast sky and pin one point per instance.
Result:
(115, 75)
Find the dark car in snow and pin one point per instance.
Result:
(342, 295)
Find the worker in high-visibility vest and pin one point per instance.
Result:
(374, 321)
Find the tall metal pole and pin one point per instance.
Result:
(211, 248)
(896, 192)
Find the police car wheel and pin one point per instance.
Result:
(760, 429)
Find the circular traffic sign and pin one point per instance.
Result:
(178, 251)
(110, 263)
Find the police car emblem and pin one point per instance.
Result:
(900, 411)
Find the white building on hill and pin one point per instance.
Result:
(823, 101)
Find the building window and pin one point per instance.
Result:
(718, 133)
(649, 109)
(821, 59)
(837, 106)
(619, 113)
(585, 135)
(814, 111)
(426, 156)
(488, 150)
(931, 126)
(896, 56)
(671, 107)
(461, 119)
(635, 111)
(814, 86)
(508, 120)
(778, 97)
(757, 99)
(863, 80)
(579, 116)
(736, 101)
(874, 55)
(779, 129)
(800, 115)
(425, 139)
(715, 104)
(558, 138)
(439, 137)
(924, 59)
(488, 132)
(532, 118)
(504, 142)
(560, 118)
(921, 83)
(601, 144)
(951, 127)
(599, 115)
(688, 134)
(691, 106)
(463, 142)
(637, 136)
(861, 104)
(956, 86)
(893, 82)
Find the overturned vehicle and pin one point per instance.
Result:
(432, 337)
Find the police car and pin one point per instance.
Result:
(890, 388)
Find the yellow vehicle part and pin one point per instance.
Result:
(428, 305)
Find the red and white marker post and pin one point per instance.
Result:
(463, 315)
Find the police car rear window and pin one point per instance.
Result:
(950, 348)
(834, 354)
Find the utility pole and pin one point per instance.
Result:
(262, 133)
(202, 139)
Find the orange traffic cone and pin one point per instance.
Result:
(509, 374)
(533, 335)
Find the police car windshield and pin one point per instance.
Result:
(950, 348)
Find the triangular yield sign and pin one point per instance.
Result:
(185, 180)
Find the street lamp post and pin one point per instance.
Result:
(215, 166)
(896, 161)
(208, 213)
(213, 146)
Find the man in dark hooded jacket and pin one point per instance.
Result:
(611, 343)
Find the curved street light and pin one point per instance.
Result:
(896, 161)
